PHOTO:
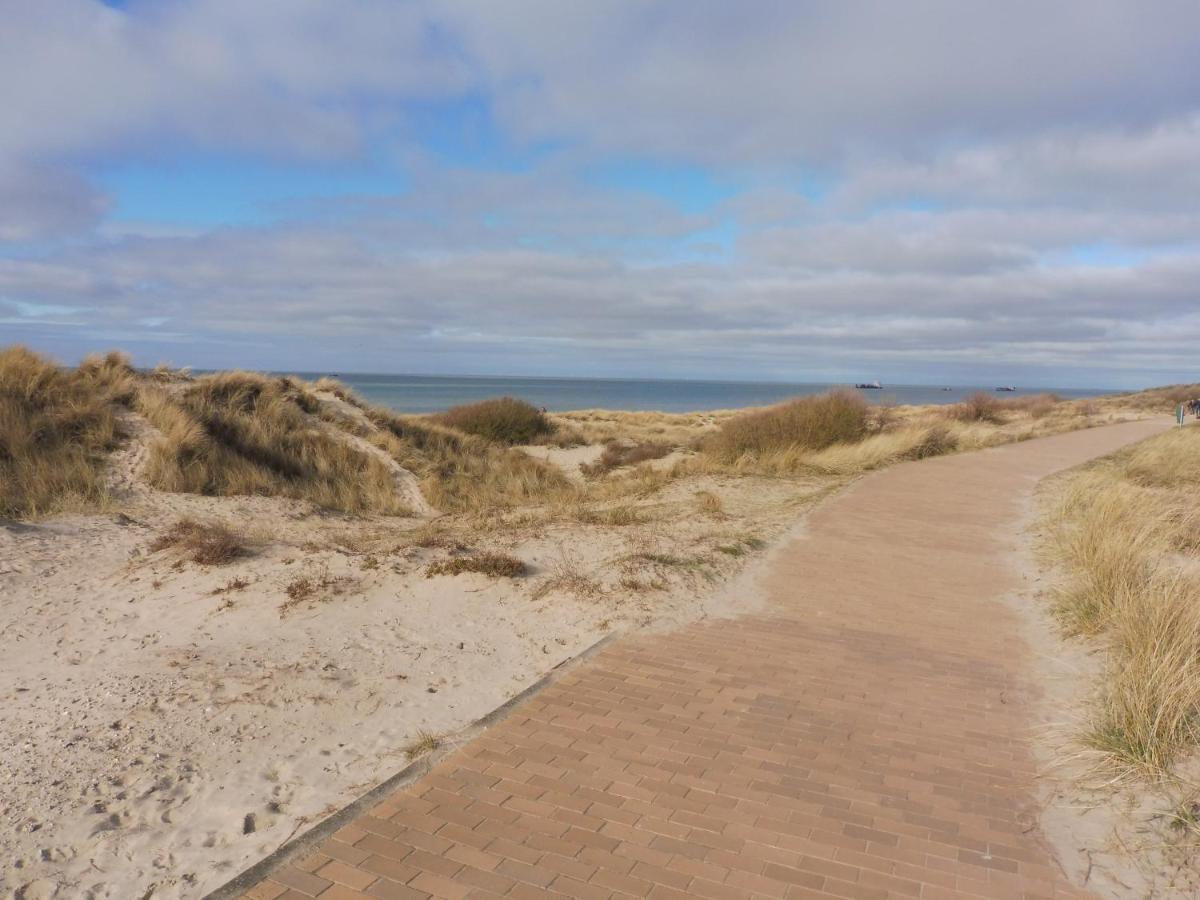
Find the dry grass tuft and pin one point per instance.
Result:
(423, 744)
(979, 407)
(205, 543)
(808, 423)
(56, 428)
(493, 565)
(566, 575)
(1118, 527)
(339, 390)
(463, 473)
(244, 433)
(1160, 399)
(317, 583)
(612, 516)
(619, 453)
(502, 420)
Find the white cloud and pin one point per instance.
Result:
(923, 183)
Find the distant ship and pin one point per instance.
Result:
(1006, 388)
(870, 386)
(947, 389)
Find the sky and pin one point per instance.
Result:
(957, 191)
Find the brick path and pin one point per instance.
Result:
(866, 736)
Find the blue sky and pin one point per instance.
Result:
(804, 191)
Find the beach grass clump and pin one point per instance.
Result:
(806, 423)
(501, 420)
(204, 543)
(343, 392)
(1169, 461)
(612, 516)
(238, 433)
(493, 565)
(57, 427)
(618, 454)
(1126, 534)
(424, 743)
(464, 473)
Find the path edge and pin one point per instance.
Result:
(414, 771)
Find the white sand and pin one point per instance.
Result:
(145, 719)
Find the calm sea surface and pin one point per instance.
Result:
(430, 393)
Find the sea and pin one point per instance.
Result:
(435, 393)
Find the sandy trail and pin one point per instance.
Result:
(867, 734)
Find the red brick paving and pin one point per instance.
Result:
(865, 736)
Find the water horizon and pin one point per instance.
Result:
(436, 393)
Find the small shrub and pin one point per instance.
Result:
(204, 543)
(979, 407)
(618, 453)
(812, 423)
(502, 420)
(494, 565)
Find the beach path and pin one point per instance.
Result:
(866, 734)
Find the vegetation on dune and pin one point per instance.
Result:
(204, 543)
(464, 473)
(1159, 399)
(503, 420)
(603, 426)
(494, 565)
(56, 428)
(984, 407)
(246, 433)
(1127, 533)
(807, 423)
(623, 453)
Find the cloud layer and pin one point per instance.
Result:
(935, 190)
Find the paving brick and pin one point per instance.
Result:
(842, 741)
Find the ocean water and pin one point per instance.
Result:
(434, 393)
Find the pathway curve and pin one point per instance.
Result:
(866, 735)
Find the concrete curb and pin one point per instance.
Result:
(305, 842)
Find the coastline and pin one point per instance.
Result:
(168, 722)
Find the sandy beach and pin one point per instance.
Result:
(167, 721)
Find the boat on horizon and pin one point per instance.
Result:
(1006, 388)
(870, 386)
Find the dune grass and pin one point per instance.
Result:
(1127, 531)
(245, 433)
(56, 429)
(618, 454)
(502, 420)
(204, 543)
(464, 473)
(493, 565)
(806, 423)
